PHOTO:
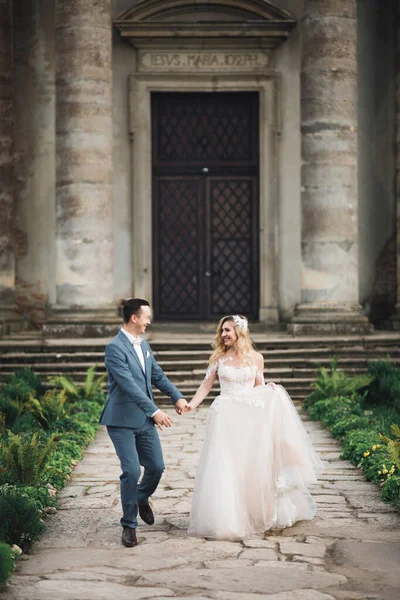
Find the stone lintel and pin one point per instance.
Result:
(329, 319)
(269, 33)
(96, 322)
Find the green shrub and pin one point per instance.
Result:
(331, 383)
(357, 442)
(385, 386)
(391, 489)
(8, 410)
(26, 376)
(25, 458)
(90, 389)
(348, 423)
(15, 392)
(20, 517)
(59, 469)
(25, 423)
(51, 407)
(20, 384)
(40, 495)
(393, 445)
(6, 563)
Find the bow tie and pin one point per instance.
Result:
(137, 341)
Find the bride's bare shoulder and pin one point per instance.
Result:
(257, 357)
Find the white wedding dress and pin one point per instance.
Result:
(256, 461)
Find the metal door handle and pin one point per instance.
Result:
(205, 170)
(207, 274)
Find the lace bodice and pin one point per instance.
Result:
(235, 381)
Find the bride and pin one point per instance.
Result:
(257, 459)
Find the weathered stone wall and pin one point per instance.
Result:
(84, 155)
(34, 143)
(7, 262)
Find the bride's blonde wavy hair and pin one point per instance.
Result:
(243, 344)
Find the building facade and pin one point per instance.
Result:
(213, 157)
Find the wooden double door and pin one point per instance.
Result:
(205, 205)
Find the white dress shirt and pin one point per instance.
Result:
(136, 343)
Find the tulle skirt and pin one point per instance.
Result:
(255, 465)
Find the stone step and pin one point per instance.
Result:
(201, 342)
(184, 360)
(290, 361)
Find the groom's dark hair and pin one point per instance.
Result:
(132, 307)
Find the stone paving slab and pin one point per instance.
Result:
(350, 551)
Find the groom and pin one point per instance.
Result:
(131, 415)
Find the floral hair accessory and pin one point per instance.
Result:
(240, 322)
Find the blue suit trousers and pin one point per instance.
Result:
(136, 447)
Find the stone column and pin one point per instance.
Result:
(7, 256)
(329, 295)
(396, 317)
(34, 144)
(84, 272)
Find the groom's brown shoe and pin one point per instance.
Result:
(146, 513)
(129, 537)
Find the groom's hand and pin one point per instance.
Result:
(180, 406)
(161, 419)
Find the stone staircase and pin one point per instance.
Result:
(291, 361)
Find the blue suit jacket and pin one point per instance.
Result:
(130, 401)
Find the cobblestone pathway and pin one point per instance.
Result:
(351, 551)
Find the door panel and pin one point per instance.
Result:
(177, 239)
(232, 246)
(205, 204)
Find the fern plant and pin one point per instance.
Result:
(52, 407)
(65, 384)
(332, 382)
(393, 445)
(25, 459)
(91, 388)
(20, 517)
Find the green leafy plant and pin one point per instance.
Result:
(20, 517)
(8, 410)
(52, 407)
(65, 384)
(391, 490)
(6, 563)
(385, 386)
(92, 386)
(393, 445)
(15, 393)
(25, 458)
(2, 423)
(332, 383)
(90, 389)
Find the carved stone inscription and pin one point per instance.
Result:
(202, 61)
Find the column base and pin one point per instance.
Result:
(10, 321)
(329, 319)
(84, 323)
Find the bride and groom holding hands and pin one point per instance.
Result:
(256, 461)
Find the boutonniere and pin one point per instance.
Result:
(147, 354)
